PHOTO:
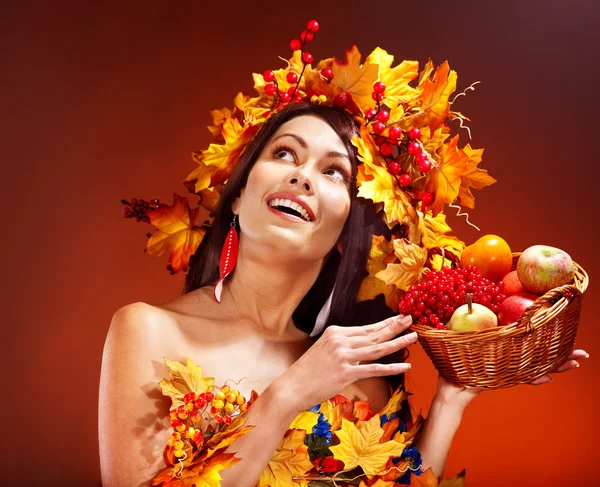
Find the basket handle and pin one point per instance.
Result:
(568, 291)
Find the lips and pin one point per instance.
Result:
(304, 208)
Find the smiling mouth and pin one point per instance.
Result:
(290, 208)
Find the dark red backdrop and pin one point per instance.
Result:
(103, 101)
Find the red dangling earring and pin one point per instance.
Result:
(228, 259)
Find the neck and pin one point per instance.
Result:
(265, 291)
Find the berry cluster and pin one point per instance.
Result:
(292, 94)
(138, 209)
(220, 406)
(434, 300)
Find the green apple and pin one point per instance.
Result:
(472, 316)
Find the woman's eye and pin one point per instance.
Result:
(337, 173)
(284, 154)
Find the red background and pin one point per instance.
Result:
(106, 101)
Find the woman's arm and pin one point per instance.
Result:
(133, 419)
(438, 432)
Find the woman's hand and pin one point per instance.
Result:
(342, 356)
(460, 396)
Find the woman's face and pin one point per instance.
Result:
(297, 197)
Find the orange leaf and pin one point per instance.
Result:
(176, 232)
(434, 99)
(354, 78)
(444, 179)
(473, 178)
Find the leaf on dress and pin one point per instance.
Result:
(305, 421)
(184, 378)
(360, 446)
(176, 232)
(289, 460)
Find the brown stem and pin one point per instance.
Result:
(469, 303)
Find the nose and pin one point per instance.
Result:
(301, 181)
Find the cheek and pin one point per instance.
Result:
(337, 202)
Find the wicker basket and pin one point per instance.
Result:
(518, 353)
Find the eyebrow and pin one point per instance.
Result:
(304, 145)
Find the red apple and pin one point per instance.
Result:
(512, 307)
(512, 285)
(541, 268)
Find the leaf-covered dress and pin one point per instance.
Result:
(338, 442)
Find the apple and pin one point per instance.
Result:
(512, 307)
(541, 268)
(472, 316)
(512, 285)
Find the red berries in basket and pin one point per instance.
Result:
(434, 300)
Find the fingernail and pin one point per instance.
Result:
(587, 355)
(405, 318)
(412, 336)
(548, 381)
(576, 364)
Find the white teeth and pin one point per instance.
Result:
(291, 204)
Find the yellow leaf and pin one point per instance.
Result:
(209, 198)
(444, 179)
(184, 379)
(395, 402)
(176, 231)
(473, 177)
(354, 78)
(305, 421)
(289, 460)
(360, 446)
(372, 286)
(209, 475)
(221, 157)
(397, 89)
(409, 270)
(383, 188)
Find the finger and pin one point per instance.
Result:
(568, 365)
(579, 354)
(389, 330)
(373, 327)
(365, 371)
(544, 379)
(378, 350)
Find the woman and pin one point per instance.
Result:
(289, 262)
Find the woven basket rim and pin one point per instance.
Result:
(537, 315)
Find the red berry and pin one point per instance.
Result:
(426, 198)
(377, 96)
(291, 89)
(313, 25)
(292, 78)
(200, 403)
(370, 113)
(414, 133)
(383, 116)
(395, 168)
(176, 422)
(379, 140)
(421, 156)
(268, 75)
(405, 180)
(414, 148)
(327, 73)
(395, 132)
(227, 419)
(209, 396)
(307, 57)
(270, 89)
(340, 100)
(218, 419)
(440, 326)
(379, 87)
(284, 97)
(189, 397)
(378, 128)
(295, 44)
(306, 36)
(385, 149)
(425, 166)
(297, 98)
